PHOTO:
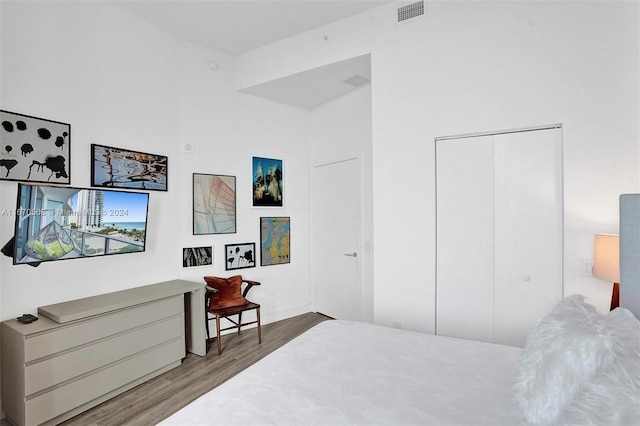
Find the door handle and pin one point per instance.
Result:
(354, 254)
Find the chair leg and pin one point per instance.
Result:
(259, 328)
(218, 334)
(206, 324)
(239, 322)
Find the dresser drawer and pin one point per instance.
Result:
(51, 371)
(86, 331)
(74, 394)
(99, 347)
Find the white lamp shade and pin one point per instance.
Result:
(606, 257)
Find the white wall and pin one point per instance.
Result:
(122, 82)
(227, 128)
(479, 66)
(113, 80)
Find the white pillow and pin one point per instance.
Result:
(613, 396)
(562, 354)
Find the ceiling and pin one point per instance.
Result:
(235, 27)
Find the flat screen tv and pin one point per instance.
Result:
(56, 223)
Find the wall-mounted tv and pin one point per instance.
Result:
(56, 223)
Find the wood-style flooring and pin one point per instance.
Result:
(155, 400)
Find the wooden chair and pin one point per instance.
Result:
(224, 300)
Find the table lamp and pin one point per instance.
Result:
(606, 263)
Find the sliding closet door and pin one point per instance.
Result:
(499, 234)
(528, 231)
(465, 210)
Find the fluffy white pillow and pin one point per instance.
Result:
(562, 354)
(613, 396)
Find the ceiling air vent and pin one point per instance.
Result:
(410, 11)
(357, 80)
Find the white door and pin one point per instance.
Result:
(337, 240)
(465, 228)
(499, 234)
(528, 232)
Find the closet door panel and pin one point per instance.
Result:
(528, 231)
(464, 265)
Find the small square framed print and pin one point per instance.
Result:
(240, 256)
(197, 256)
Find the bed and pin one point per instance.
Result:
(343, 372)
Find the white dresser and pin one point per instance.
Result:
(83, 352)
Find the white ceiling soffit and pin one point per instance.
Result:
(235, 27)
(311, 88)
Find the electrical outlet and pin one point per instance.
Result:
(586, 268)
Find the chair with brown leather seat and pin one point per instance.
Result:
(224, 298)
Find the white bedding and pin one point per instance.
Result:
(342, 372)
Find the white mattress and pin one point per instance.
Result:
(342, 372)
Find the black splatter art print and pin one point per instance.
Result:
(34, 149)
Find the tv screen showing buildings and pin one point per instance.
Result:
(56, 223)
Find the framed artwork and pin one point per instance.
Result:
(34, 149)
(240, 256)
(197, 256)
(122, 168)
(275, 237)
(214, 204)
(267, 182)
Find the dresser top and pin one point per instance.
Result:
(102, 303)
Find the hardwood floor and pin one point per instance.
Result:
(160, 397)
